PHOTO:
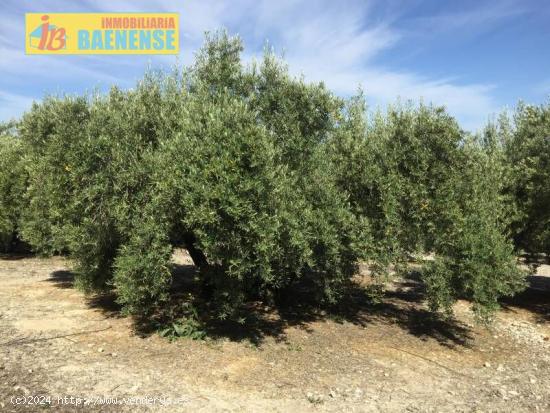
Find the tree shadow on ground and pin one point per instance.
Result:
(535, 298)
(15, 250)
(401, 306)
(105, 302)
(62, 279)
(15, 256)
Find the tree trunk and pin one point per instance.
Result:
(198, 257)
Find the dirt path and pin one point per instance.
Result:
(55, 342)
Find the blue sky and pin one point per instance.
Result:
(474, 57)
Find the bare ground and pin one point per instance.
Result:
(56, 342)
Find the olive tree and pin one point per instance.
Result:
(528, 155)
(13, 179)
(270, 182)
(425, 188)
(244, 183)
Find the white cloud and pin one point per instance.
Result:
(337, 42)
(336, 47)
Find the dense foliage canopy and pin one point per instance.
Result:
(527, 151)
(272, 183)
(13, 179)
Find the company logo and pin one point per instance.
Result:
(102, 33)
(47, 36)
